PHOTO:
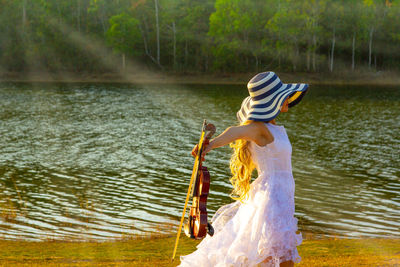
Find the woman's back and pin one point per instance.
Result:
(274, 158)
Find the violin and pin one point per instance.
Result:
(197, 225)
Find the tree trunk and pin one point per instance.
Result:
(279, 52)
(206, 64)
(123, 63)
(23, 15)
(158, 32)
(308, 59)
(314, 51)
(332, 49)
(353, 51)
(279, 38)
(295, 58)
(59, 12)
(186, 52)
(144, 34)
(146, 48)
(102, 19)
(371, 34)
(79, 16)
(279, 59)
(174, 47)
(329, 59)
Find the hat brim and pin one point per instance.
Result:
(296, 97)
(268, 108)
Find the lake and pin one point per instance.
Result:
(105, 161)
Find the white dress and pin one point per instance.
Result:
(264, 227)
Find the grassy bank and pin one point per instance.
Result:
(337, 78)
(157, 252)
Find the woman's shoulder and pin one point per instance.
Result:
(260, 133)
(260, 125)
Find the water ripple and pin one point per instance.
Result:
(95, 161)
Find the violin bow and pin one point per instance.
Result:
(194, 174)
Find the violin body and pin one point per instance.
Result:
(198, 225)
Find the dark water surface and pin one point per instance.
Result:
(101, 161)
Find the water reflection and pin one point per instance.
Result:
(95, 161)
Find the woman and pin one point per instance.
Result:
(259, 229)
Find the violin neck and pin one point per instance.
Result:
(197, 162)
(210, 129)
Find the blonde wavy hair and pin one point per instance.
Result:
(242, 167)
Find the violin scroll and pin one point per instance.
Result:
(210, 128)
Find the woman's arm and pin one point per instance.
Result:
(254, 131)
(228, 136)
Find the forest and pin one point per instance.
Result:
(199, 36)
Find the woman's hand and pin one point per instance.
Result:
(206, 149)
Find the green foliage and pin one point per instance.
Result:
(124, 34)
(238, 26)
(199, 35)
(393, 22)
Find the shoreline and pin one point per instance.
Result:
(335, 79)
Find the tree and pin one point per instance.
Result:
(374, 14)
(170, 14)
(123, 35)
(391, 34)
(238, 27)
(354, 24)
(313, 11)
(198, 35)
(287, 26)
(333, 17)
(194, 43)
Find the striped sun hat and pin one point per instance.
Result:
(267, 95)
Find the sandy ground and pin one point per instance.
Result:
(158, 252)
